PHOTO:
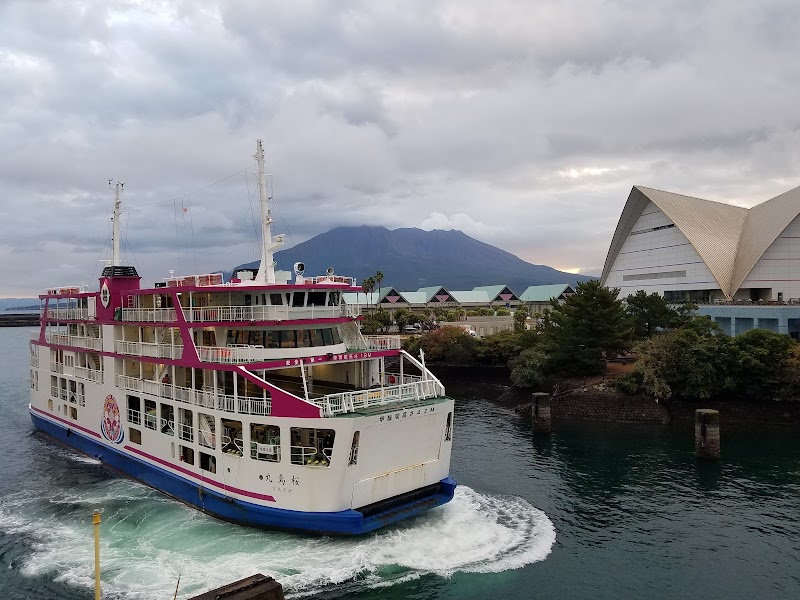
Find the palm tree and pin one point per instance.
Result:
(368, 285)
(378, 280)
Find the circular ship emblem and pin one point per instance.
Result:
(111, 424)
(105, 295)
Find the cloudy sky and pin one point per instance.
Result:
(522, 123)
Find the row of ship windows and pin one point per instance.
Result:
(284, 338)
(309, 446)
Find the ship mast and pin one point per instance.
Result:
(266, 270)
(115, 237)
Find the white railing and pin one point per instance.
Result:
(309, 456)
(397, 379)
(232, 354)
(345, 402)
(134, 416)
(211, 314)
(69, 314)
(149, 315)
(203, 398)
(232, 446)
(89, 374)
(56, 367)
(148, 349)
(351, 310)
(167, 426)
(382, 342)
(75, 341)
(150, 420)
(330, 279)
(186, 432)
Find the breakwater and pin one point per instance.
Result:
(18, 319)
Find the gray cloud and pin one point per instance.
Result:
(523, 123)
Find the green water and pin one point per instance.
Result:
(593, 511)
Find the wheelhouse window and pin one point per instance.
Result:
(333, 298)
(298, 299)
(316, 299)
(276, 299)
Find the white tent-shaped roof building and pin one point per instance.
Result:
(690, 249)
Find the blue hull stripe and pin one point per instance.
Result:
(346, 522)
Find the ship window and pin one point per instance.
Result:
(54, 386)
(186, 455)
(298, 299)
(269, 340)
(333, 298)
(316, 337)
(312, 447)
(36, 380)
(327, 336)
(287, 339)
(206, 430)
(256, 338)
(316, 298)
(248, 300)
(265, 442)
(208, 463)
(232, 437)
(354, 448)
(73, 413)
(336, 337)
(150, 419)
(50, 404)
(448, 431)
(303, 338)
(134, 410)
(167, 422)
(276, 299)
(135, 435)
(185, 427)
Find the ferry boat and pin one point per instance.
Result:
(256, 400)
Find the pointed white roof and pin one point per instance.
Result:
(730, 239)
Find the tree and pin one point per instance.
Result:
(528, 368)
(588, 327)
(368, 285)
(498, 348)
(402, 317)
(520, 319)
(378, 280)
(649, 314)
(502, 312)
(448, 344)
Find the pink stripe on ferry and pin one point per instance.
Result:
(187, 472)
(68, 423)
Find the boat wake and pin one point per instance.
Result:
(148, 540)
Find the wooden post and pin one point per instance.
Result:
(706, 433)
(540, 412)
(96, 523)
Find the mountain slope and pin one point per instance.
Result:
(412, 258)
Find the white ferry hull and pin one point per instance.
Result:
(186, 488)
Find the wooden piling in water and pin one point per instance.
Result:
(255, 587)
(706, 433)
(540, 413)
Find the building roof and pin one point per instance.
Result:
(714, 229)
(543, 293)
(471, 296)
(494, 291)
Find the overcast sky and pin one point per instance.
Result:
(524, 124)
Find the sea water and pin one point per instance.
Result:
(594, 511)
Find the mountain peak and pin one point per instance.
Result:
(411, 258)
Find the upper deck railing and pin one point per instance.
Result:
(68, 314)
(347, 402)
(204, 398)
(148, 349)
(60, 339)
(213, 314)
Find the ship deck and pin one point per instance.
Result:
(392, 407)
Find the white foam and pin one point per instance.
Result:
(147, 542)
